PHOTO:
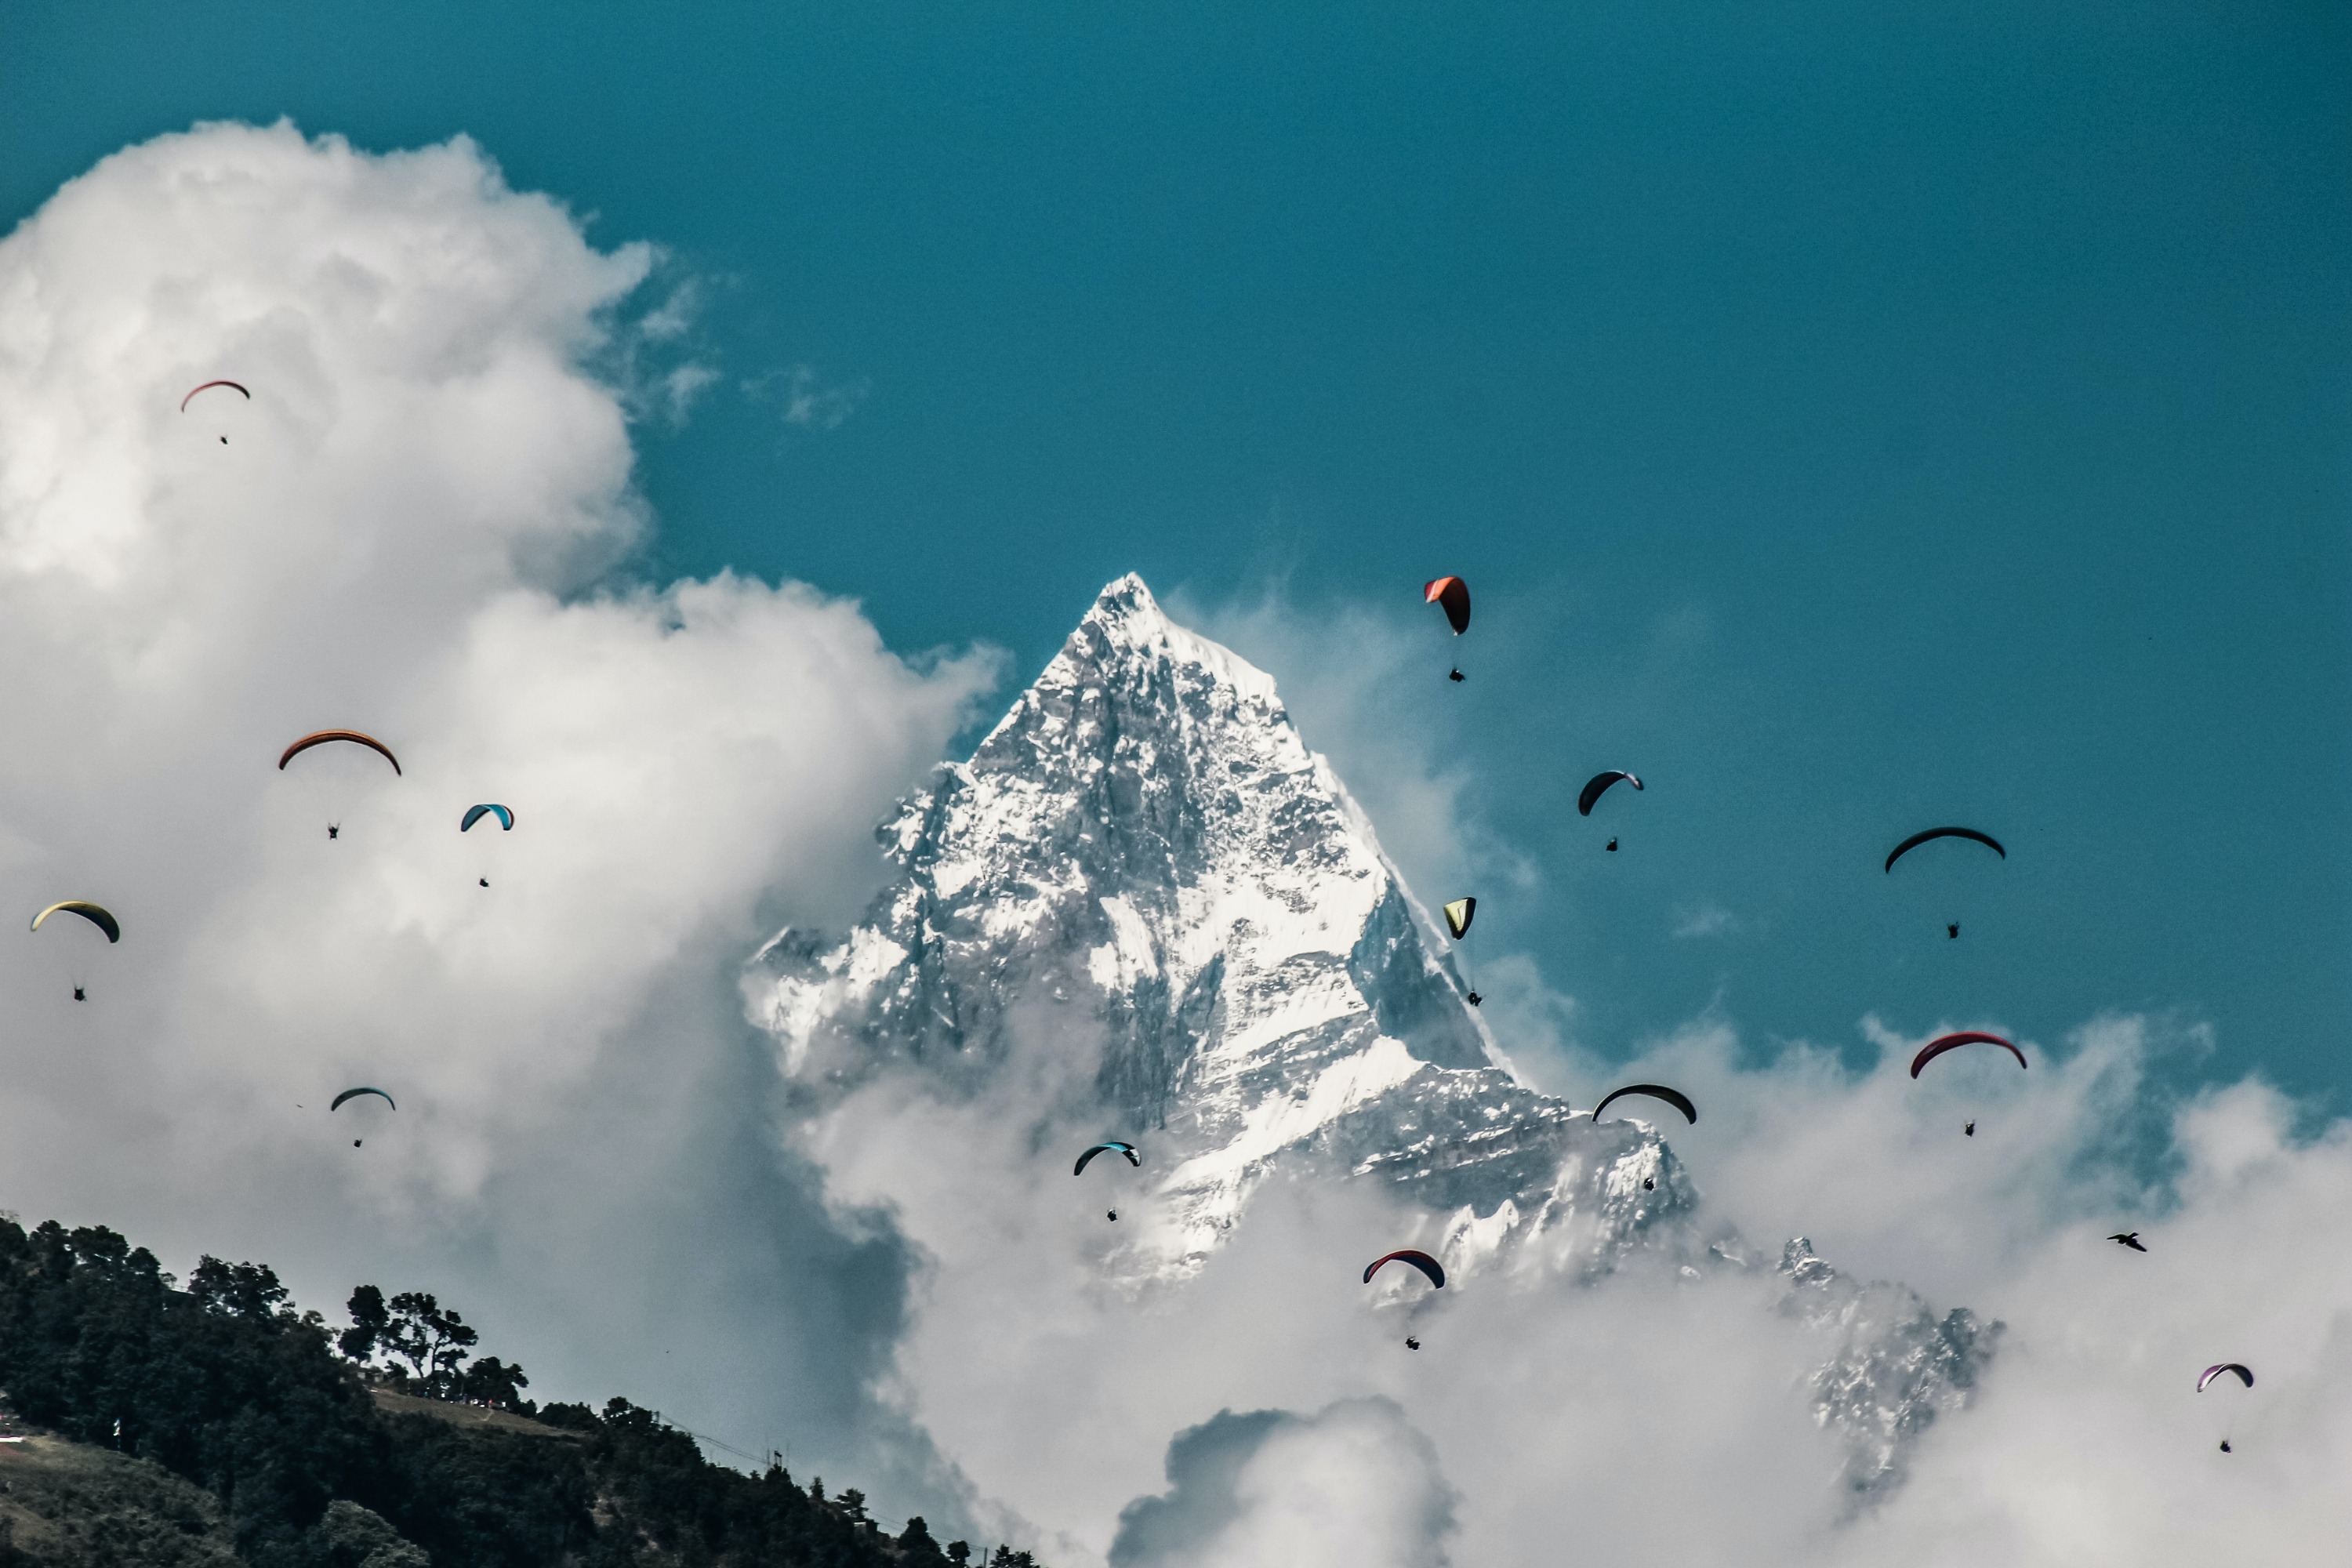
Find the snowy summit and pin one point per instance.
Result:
(1146, 846)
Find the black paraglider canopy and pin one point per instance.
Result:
(1673, 1097)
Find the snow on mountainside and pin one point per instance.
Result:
(1144, 858)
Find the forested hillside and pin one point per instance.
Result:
(229, 1421)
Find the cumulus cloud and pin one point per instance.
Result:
(411, 528)
(1354, 1484)
(1667, 1408)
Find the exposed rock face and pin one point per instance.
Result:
(1143, 859)
(1897, 1364)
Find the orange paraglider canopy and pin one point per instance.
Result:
(321, 737)
(1454, 595)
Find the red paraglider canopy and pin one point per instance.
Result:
(1421, 1260)
(1454, 595)
(185, 400)
(1937, 1047)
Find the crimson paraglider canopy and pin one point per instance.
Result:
(1421, 1260)
(1937, 1047)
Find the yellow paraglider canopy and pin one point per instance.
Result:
(89, 911)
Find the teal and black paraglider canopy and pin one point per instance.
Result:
(476, 814)
(1114, 1147)
(354, 1093)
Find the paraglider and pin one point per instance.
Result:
(1952, 930)
(1598, 786)
(337, 1103)
(1673, 1097)
(1453, 593)
(1411, 1343)
(1916, 839)
(1113, 1147)
(2244, 1373)
(333, 777)
(1421, 1260)
(74, 952)
(1971, 1130)
(1458, 916)
(1937, 1047)
(231, 385)
(1610, 846)
(2129, 1239)
(476, 814)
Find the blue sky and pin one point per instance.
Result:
(1848, 421)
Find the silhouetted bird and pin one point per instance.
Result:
(2129, 1239)
(1971, 1130)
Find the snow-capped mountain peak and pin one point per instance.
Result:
(1145, 881)
(1145, 840)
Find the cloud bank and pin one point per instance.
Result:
(411, 528)
(1666, 1412)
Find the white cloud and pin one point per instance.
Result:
(1705, 917)
(403, 530)
(810, 402)
(1354, 1485)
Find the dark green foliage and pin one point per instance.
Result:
(226, 1384)
(68, 1505)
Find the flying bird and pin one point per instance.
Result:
(2129, 1239)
